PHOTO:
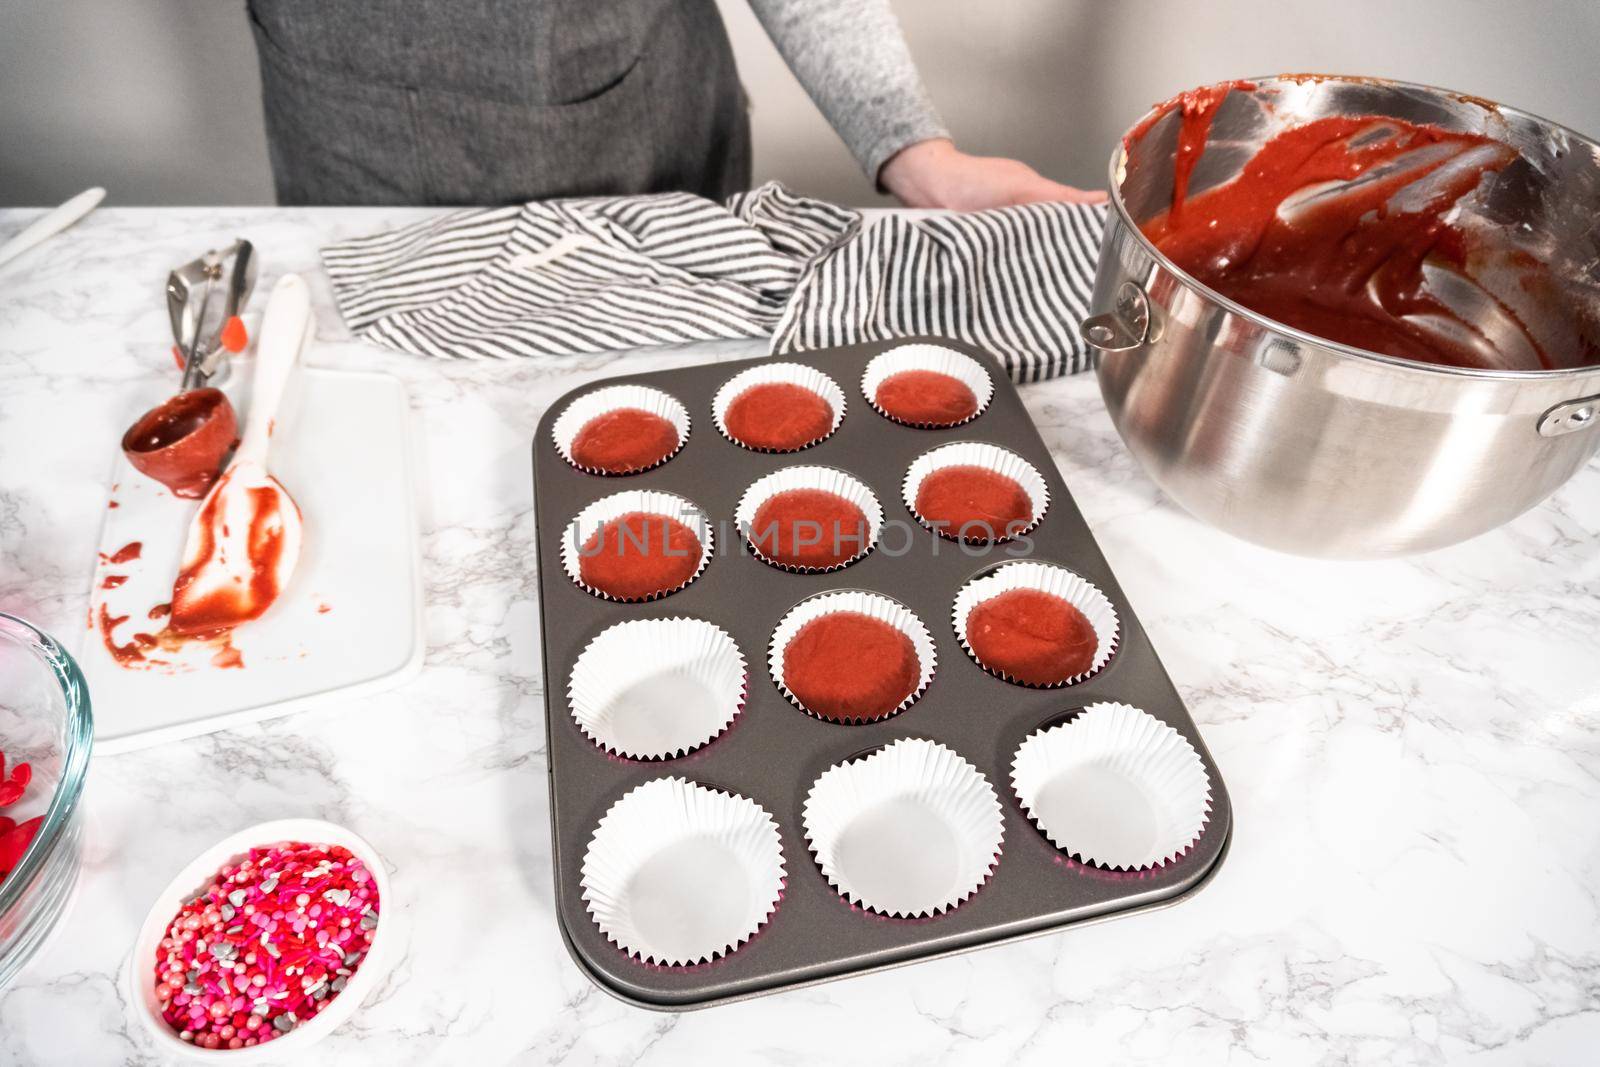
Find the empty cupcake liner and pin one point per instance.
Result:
(910, 830)
(1047, 578)
(651, 501)
(932, 358)
(1115, 787)
(787, 373)
(612, 398)
(1001, 461)
(677, 873)
(874, 605)
(827, 479)
(657, 688)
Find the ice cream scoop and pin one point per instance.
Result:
(245, 541)
(181, 443)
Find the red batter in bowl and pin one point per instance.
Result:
(624, 441)
(850, 667)
(778, 417)
(973, 503)
(810, 528)
(1344, 227)
(1032, 637)
(639, 555)
(926, 398)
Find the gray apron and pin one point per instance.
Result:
(498, 101)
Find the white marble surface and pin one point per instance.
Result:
(1413, 750)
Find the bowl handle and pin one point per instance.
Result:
(1125, 327)
(1569, 416)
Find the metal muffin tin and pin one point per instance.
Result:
(773, 751)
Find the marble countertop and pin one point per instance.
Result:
(1412, 748)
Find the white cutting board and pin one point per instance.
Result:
(350, 619)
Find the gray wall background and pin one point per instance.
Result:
(158, 100)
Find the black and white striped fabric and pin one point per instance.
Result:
(566, 277)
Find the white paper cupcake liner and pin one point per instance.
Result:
(911, 830)
(612, 398)
(1115, 787)
(651, 501)
(657, 688)
(788, 373)
(977, 454)
(874, 605)
(677, 873)
(1047, 578)
(827, 479)
(932, 358)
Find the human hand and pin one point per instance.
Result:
(936, 173)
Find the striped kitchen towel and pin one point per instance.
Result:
(565, 277)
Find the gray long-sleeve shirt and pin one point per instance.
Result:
(851, 57)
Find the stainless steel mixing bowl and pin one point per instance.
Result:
(1322, 449)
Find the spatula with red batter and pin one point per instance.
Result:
(245, 541)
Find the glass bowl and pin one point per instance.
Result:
(45, 721)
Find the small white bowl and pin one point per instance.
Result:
(380, 955)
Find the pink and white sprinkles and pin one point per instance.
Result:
(267, 945)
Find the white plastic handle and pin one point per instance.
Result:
(52, 223)
(285, 329)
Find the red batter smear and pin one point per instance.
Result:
(1297, 238)
(810, 528)
(217, 608)
(140, 651)
(624, 441)
(126, 554)
(639, 555)
(850, 667)
(1032, 637)
(778, 417)
(926, 398)
(111, 581)
(974, 503)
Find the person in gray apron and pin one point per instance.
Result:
(446, 102)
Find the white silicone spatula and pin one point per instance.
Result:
(244, 542)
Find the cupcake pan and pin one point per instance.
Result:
(773, 754)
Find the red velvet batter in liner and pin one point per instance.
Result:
(638, 555)
(1035, 637)
(974, 503)
(778, 417)
(623, 441)
(849, 667)
(926, 397)
(809, 528)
